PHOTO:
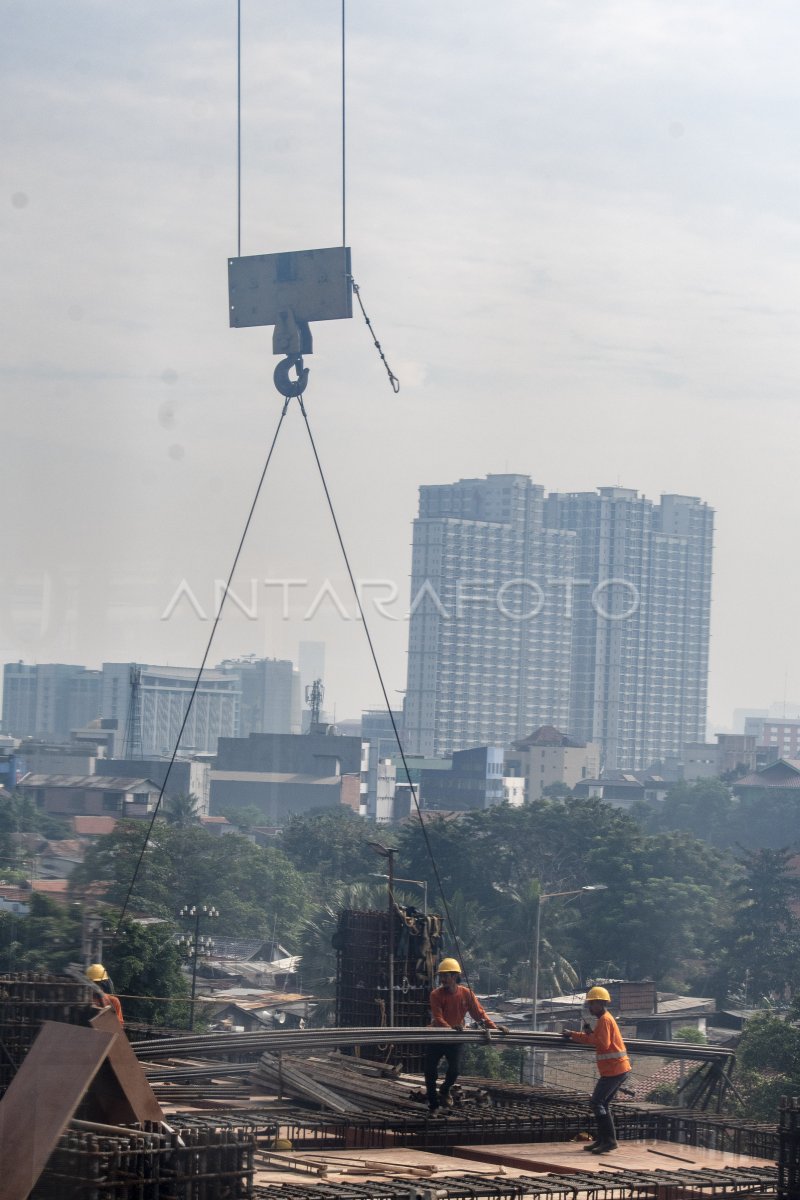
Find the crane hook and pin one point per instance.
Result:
(286, 386)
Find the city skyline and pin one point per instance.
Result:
(574, 229)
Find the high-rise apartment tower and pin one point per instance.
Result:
(588, 611)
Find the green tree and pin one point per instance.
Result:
(47, 939)
(330, 846)
(767, 1066)
(491, 1062)
(256, 890)
(181, 810)
(706, 809)
(145, 967)
(662, 899)
(759, 959)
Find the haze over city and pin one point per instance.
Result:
(574, 230)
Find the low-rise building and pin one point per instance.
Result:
(548, 756)
(90, 795)
(474, 781)
(279, 795)
(625, 788)
(732, 753)
(783, 775)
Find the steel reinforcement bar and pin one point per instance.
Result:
(601, 1185)
(274, 1042)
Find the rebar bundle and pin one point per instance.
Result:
(199, 1163)
(789, 1149)
(602, 1185)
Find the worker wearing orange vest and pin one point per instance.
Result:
(612, 1063)
(105, 998)
(450, 1003)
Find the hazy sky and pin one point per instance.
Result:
(575, 226)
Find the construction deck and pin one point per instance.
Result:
(540, 1172)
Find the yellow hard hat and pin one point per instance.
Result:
(449, 965)
(96, 972)
(598, 993)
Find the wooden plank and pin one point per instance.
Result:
(45, 1092)
(121, 1093)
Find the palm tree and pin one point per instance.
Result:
(182, 810)
(556, 973)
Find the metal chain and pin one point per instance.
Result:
(393, 380)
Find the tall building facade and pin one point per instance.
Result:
(270, 690)
(488, 658)
(48, 700)
(595, 618)
(161, 699)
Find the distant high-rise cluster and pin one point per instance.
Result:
(588, 611)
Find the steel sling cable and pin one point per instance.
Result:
(379, 673)
(193, 693)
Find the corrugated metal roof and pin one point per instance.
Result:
(102, 783)
(271, 777)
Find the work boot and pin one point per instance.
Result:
(606, 1135)
(590, 1146)
(434, 1110)
(445, 1099)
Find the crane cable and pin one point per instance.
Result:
(198, 677)
(384, 691)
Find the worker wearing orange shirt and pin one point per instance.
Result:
(105, 998)
(612, 1063)
(450, 1003)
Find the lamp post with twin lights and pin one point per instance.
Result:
(193, 944)
(540, 899)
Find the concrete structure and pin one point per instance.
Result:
(732, 752)
(625, 788)
(588, 611)
(482, 669)
(513, 790)
(641, 621)
(48, 700)
(548, 756)
(378, 734)
(781, 733)
(474, 781)
(164, 694)
(282, 774)
(385, 791)
(306, 754)
(91, 795)
(187, 776)
(270, 690)
(280, 795)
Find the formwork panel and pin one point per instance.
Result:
(362, 976)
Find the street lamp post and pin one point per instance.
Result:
(423, 883)
(388, 852)
(589, 887)
(194, 945)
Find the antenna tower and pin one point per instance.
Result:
(133, 727)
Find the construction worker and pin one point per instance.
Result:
(450, 1003)
(612, 1063)
(105, 998)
